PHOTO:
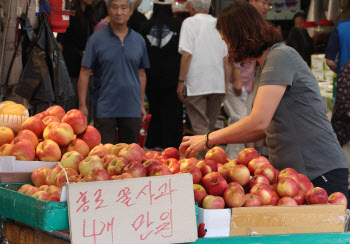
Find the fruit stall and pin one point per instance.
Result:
(59, 184)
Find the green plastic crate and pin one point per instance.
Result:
(44, 215)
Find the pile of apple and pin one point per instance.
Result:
(252, 181)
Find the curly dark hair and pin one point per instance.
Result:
(248, 35)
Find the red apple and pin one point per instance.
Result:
(86, 166)
(6, 135)
(274, 187)
(44, 187)
(162, 159)
(152, 154)
(234, 184)
(122, 176)
(56, 111)
(207, 166)
(169, 161)
(239, 174)
(79, 146)
(304, 183)
(49, 151)
(213, 202)
(246, 155)
(41, 115)
(31, 191)
(24, 188)
(91, 136)
(136, 169)
(289, 172)
(108, 146)
(258, 179)
(29, 135)
(107, 159)
(99, 174)
(132, 152)
(338, 198)
(72, 160)
(277, 172)
(150, 164)
(266, 170)
(214, 184)
(256, 162)
(54, 198)
(23, 150)
(287, 187)
(171, 152)
(252, 200)
(300, 198)
(99, 150)
(234, 197)
(5, 150)
(115, 149)
(275, 198)
(74, 178)
(76, 120)
(160, 171)
(316, 195)
(264, 192)
(51, 175)
(117, 165)
(61, 133)
(173, 166)
(61, 177)
(54, 190)
(224, 171)
(41, 195)
(39, 176)
(287, 201)
(199, 193)
(217, 154)
(231, 163)
(48, 119)
(195, 172)
(48, 128)
(186, 163)
(35, 125)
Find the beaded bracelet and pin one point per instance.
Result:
(207, 141)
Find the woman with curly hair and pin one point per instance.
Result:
(288, 108)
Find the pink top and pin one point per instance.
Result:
(102, 24)
(247, 74)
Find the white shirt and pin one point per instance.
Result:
(201, 39)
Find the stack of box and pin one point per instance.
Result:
(323, 74)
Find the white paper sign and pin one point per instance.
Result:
(141, 210)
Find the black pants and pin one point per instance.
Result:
(128, 129)
(334, 181)
(165, 128)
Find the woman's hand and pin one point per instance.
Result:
(192, 145)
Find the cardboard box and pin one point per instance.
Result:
(217, 221)
(275, 220)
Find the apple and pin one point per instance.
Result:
(256, 162)
(35, 125)
(213, 202)
(246, 155)
(275, 198)
(338, 198)
(162, 159)
(107, 159)
(23, 150)
(89, 163)
(287, 201)
(173, 166)
(150, 164)
(76, 120)
(132, 152)
(207, 166)
(71, 160)
(152, 154)
(56, 111)
(39, 176)
(287, 187)
(42, 195)
(61, 133)
(274, 187)
(214, 184)
(44, 187)
(136, 169)
(79, 146)
(25, 188)
(195, 172)
(234, 197)
(231, 163)
(53, 190)
(29, 135)
(217, 154)
(122, 176)
(117, 165)
(289, 172)
(316, 195)
(91, 136)
(49, 151)
(48, 128)
(5, 150)
(266, 170)
(48, 119)
(99, 150)
(6, 135)
(160, 171)
(252, 201)
(61, 177)
(258, 179)
(169, 161)
(74, 178)
(54, 198)
(199, 193)
(32, 190)
(115, 149)
(171, 152)
(186, 163)
(277, 172)
(99, 174)
(224, 171)
(108, 146)
(300, 197)
(264, 192)
(234, 184)
(51, 175)
(304, 183)
(239, 174)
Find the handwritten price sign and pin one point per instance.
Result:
(141, 210)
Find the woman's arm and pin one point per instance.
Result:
(247, 129)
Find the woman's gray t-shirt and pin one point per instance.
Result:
(300, 135)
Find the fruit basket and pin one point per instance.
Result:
(44, 215)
